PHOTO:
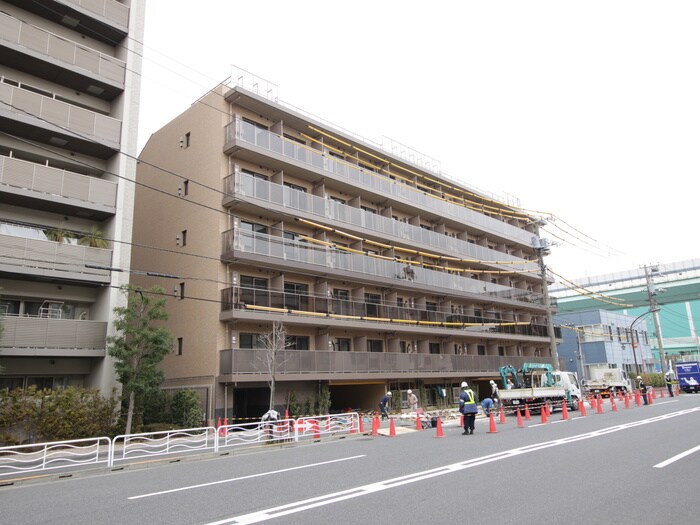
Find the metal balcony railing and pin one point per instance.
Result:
(57, 47)
(31, 333)
(242, 185)
(243, 361)
(248, 133)
(239, 243)
(48, 182)
(85, 124)
(278, 302)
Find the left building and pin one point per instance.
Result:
(70, 75)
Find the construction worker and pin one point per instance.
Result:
(412, 400)
(384, 405)
(669, 383)
(467, 406)
(494, 394)
(486, 406)
(642, 386)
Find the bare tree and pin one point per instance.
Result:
(274, 342)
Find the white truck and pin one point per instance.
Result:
(538, 383)
(606, 381)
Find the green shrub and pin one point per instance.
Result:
(34, 416)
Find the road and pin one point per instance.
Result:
(615, 467)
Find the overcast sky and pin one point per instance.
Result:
(589, 111)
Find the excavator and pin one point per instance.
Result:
(531, 374)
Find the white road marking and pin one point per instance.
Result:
(676, 457)
(364, 490)
(245, 477)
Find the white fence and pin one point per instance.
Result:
(24, 459)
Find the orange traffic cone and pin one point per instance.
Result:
(527, 413)
(392, 428)
(543, 414)
(439, 433)
(653, 393)
(419, 425)
(599, 405)
(582, 407)
(614, 405)
(637, 398)
(662, 392)
(564, 411)
(627, 400)
(502, 415)
(492, 424)
(519, 419)
(651, 397)
(362, 424)
(678, 390)
(375, 426)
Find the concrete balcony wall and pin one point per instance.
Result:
(57, 185)
(27, 336)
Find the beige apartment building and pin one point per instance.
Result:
(386, 275)
(69, 91)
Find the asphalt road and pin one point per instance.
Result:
(616, 467)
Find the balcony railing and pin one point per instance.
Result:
(59, 48)
(242, 185)
(328, 259)
(277, 302)
(49, 182)
(29, 334)
(55, 259)
(112, 10)
(245, 132)
(336, 364)
(85, 124)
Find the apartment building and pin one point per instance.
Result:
(385, 274)
(69, 92)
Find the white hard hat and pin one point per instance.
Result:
(639, 377)
(492, 382)
(388, 393)
(464, 384)
(409, 391)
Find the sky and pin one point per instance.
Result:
(588, 112)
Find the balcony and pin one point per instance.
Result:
(104, 20)
(241, 187)
(41, 117)
(28, 184)
(38, 52)
(33, 256)
(244, 135)
(253, 303)
(257, 248)
(35, 336)
(246, 364)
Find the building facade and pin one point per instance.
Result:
(385, 275)
(69, 92)
(598, 338)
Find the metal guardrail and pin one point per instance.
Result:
(24, 459)
(39, 457)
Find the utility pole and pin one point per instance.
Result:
(541, 246)
(653, 291)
